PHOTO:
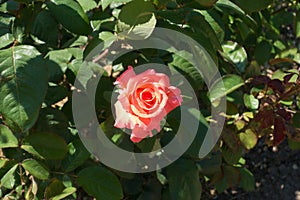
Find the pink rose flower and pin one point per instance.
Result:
(144, 100)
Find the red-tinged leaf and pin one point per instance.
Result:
(279, 131)
(232, 175)
(257, 80)
(285, 114)
(277, 61)
(265, 118)
(231, 139)
(206, 3)
(276, 85)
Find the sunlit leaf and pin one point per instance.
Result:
(235, 54)
(36, 169)
(7, 138)
(248, 139)
(8, 180)
(23, 85)
(224, 86)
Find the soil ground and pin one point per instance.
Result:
(276, 172)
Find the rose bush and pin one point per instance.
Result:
(144, 100)
(254, 44)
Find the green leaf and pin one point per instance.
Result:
(56, 190)
(248, 139)
(175, 16)
(23, 84)
(221, 185)
(6, 40)
(251, 102)
(232, 156)
(104, 38)
(45, 145)
(296, 117)
(87, 5)
(236, 54)
(36, 169)
(59, 64)
(262, 52)
(9, 6)
(216, 23)
(139, 31)
(53, 121)
(132, 186)
(294, 145)
(5, 24)
(66, 11)
(3, 162)
(45, 27)
(291, 54)
(231, 8)
(232, 175)
(55, 94)
(230, 139)
(211, 164)
(247, 180)
(253, 5)
(183, 178)
(206, 3)
(66, 192)
(195, 117)
(8, 180)
(151, 190)
(7, 138)
(230, 5)
(224, 86)
(100, 183)
(137, 19)
(105, 3)
(200, 25)
(77, 158)
(297, 22)
(147, 144)
(136, 12)
(184, 67)
(103, 93)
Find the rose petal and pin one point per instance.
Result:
(156, 112)
(144, 100)
(174, 99)
(122, 117)
(125, 119)
(138, 134)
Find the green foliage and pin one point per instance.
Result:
(67, 11)
(100, 182)
(36, 169)
(183, 179)
(45, 146)
(19, 107)
(255, 45)
(7, 138)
